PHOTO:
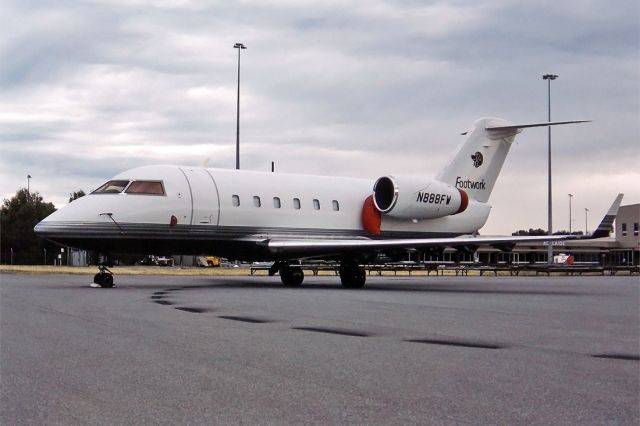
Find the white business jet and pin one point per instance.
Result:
(285, 218)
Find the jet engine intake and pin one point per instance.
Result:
(408, 197)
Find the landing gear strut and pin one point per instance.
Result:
(351, 274)
(291, 275)
(104, 278)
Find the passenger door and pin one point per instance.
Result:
(204, 196)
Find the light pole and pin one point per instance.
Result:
(586, 222)
(29, 185)
(570, 197)
(549, 77)
(238, 46)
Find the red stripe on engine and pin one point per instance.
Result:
(464, 201)
(371, 217)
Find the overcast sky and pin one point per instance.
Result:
(349, 88)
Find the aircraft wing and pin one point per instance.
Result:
(318, 246)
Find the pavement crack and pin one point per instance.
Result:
(341, 332)
(192, 310)
(625, 357)
(458, 343)
(244, 319)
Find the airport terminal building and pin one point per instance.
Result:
(621, 249)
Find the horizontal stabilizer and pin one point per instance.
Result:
(524, 126)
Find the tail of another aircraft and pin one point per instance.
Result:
(476, 166)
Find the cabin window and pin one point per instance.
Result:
(276, 202)
(256, 201)
(336, 205)
(146, 187)
(112, 187)
(235, 200)
(316, 204)
(296, 203)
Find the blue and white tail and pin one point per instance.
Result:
(476, 166)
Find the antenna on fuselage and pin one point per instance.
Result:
(110, 216)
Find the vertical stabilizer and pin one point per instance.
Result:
(476, 165)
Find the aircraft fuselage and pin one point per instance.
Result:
(225, 212)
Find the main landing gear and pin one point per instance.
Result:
(351, 274)
(104, 278)
(290, 274)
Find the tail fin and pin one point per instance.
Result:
(476, 166)
(605, 226)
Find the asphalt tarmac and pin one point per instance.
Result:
(230, 350)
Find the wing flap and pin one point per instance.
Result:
(329, 246)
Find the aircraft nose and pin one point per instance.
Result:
(52, 224)
(70, 219)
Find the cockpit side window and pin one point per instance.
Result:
(112, 187)
(146, 187)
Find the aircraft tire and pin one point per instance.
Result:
(291, 276)
(353, 277)
(103, 279)
(107, 282)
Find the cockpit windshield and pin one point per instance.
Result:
(141, 187)
(112, 187)
(146, 187)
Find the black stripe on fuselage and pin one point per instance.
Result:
(239, 242)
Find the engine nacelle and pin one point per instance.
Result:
(408, 197)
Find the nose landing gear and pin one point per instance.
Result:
(104, 278)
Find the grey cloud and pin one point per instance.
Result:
(357, 88)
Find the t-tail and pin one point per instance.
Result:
(476, 166)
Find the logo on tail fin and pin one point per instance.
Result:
(477, 159)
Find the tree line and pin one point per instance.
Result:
(18, 215)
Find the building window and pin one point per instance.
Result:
(235, 200)
(624, 229)
(296, 203)
(276, 202)
(635, 229)
(336, 205)
(256, 201)
(316, 204)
